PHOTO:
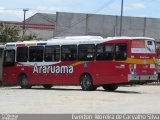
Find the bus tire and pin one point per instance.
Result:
(23, 81)
(110, 87)
(47, 86)
(86, 83)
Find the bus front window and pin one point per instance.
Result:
(9, 58)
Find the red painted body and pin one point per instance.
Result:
(102, 72)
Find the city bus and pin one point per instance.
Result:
(88, 61)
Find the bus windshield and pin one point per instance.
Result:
(143, 46)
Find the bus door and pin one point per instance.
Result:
(9, 72)
(104, 63)
(120, 67)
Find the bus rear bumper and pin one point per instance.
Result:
(142, 78)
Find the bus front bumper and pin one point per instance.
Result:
(142, 78)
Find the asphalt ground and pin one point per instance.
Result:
(71, 99)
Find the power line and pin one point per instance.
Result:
(72, 24)
(8, 9)
(31, 9)
(103, 6)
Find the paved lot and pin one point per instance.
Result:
(70, 99)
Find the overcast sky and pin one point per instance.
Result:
(12, 10)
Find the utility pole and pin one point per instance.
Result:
(24, 20)
(121, 22)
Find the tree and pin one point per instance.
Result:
(9, 33)
(28, 37)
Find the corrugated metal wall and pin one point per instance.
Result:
(105, 25)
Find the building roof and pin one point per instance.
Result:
(30, 25)
(42, 18)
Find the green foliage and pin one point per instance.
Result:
(9, 33)
(29, 37)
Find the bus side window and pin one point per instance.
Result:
(105, 52)
(69, 52)
(86, 52)
(100, 52)
(22, 54)
(52, 53)
(108, 52)
(36, 53)
(121, 51)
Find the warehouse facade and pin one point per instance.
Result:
(68, 24)
(47, 26)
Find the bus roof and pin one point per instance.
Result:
(129, 38)
(83, 37)
(74, 40)
(63, 41)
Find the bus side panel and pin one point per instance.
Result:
(9, 76)
(72, 78)
(37, 75)
(102, 72)
(108, 72)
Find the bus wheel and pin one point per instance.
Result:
(47, 86)
(23, 81)
(110, 87)
(86, 83)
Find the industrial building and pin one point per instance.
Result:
(40, 24)
(47, 26)
(68, 24)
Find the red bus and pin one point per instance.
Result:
(89, 61)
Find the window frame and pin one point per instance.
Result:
(59, 52)
(26, 56)
(9, 64)
(75, 58)
(87, 59)
(42, 57)
(103, 54)
(121, 56)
